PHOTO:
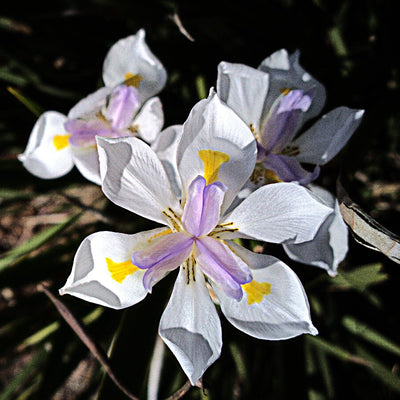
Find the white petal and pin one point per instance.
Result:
(166, 147)
(244, 89)
(150, 120)
(277, 60)
(41, 158)
(190, 326)
(277, 213)
(134, 178)
(212, 125)
(281, 314)
(86, 159)
(90, 104)
(131, 55)
(90, 278)
(329, 247)
(285, 72)
(328, 135)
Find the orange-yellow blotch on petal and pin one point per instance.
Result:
(256, 291)
(132, 79)
(61, 141)
(212, 160)
(119, 271)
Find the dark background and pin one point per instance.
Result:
(52, 53)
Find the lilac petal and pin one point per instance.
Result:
(284, 119)
(203, 206)
(222, 266)
(83, 132)
(169, 250)
(285, 71)
(288, 169)
(123, 106)
(167, 253)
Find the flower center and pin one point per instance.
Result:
(113, 120)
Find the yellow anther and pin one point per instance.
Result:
(61, 141)
(132, 79)
(212, 160)
(270, 177)
(162, 233)
(256, 291)
(285, 91)
(119, 271)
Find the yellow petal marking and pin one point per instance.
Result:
(212, 160)
(119, 271)
(132, 79)
(256, 291)
(61, 141)
(162, 233)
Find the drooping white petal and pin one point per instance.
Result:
(166, 146)
(212, 125)
(328, 135)
(281, 312)
(244, 89)
(329, 246)
(134, 178)
(285, 72)
(91, 104)
(131, 55)
(277, 213)
(41, 157)
(91, 278)
(86, 159)
(149, 120)
(190, 325)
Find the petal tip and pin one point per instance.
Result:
(313, 330)
(62, 291)
(359, 114)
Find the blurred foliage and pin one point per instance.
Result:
(51, 56)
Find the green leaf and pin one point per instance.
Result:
(201, 87)
(29, 104)
(382, 372)
(35, 242)
(361, 278)
(45, 332)
(371, 335)
(335, 350)
(336, 39)
(12, 194)
(23, 377)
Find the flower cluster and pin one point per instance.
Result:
(232, 171)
